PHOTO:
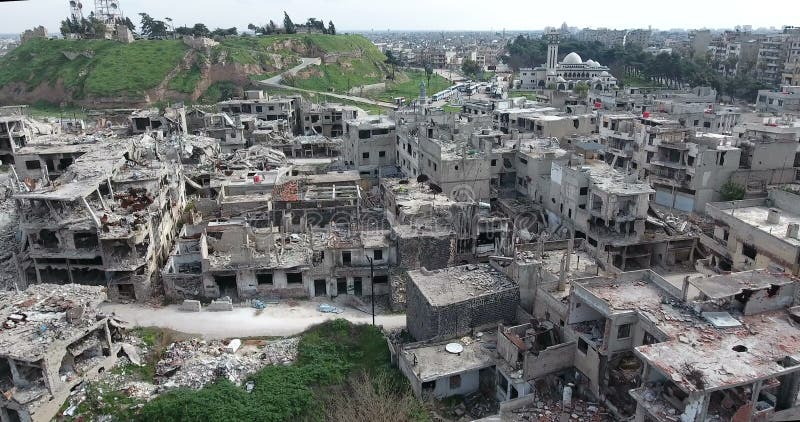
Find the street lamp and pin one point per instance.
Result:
(372, 287)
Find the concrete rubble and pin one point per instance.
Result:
(195, 363)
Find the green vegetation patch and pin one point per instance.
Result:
(133, 68)
(410, 88)
(328, 355)
(220, 91)
(92, 67)
(186, 81)
(338, 77)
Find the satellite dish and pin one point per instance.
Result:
(72, 3)
(454, 348)
(114, 5)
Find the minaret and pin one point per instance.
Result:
(553, 37)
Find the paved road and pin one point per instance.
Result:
(276, 320)
(276, 82)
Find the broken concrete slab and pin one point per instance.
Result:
(132, 354)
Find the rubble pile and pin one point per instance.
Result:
(8, 231)
(578, 411)
(195, 363)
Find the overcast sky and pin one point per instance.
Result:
(381, 15)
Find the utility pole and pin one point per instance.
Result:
(372, 287)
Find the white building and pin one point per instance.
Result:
(568, 73)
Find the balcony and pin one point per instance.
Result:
(655, 164)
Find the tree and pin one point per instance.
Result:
(153, 28)
(470, 68)
(200, 30)
(392, 61)
(183, 31)
(127, 22)
(272, 28)
(314, 24)
(222, 32)
(428, 66)
(288, 25)
(581, 89)
(331, 28)
(732, 191)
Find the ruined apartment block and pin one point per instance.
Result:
(108, 219)
(327, 119)
(710, 348)
(17, 130)
(53, 339)
(369, 146)
(755, 233)
(286, 236)
(266, 108)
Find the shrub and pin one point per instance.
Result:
(732, 191)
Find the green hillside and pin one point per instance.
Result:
(82, 71)
(360, 63)
(101, 68)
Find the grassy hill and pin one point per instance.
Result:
(353, 61)
(91, 72)
(89, 68)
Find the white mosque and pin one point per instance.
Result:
(564, 75)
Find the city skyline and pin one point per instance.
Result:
(411, 15)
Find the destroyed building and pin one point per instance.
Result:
(266, 108)
(327, 119)
(53, 338)
(159, 122)
(17, 130)
(240, 261)
(687, 167)
(732, 355)
(369, 145)
(756, 233)
(450, 302)
(108, 219)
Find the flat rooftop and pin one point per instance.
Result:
(626, 296)
(756, 216)
(749, 349)
(610, 180)
(459, 284)
(731, 356)
(433, 361)
(729, 285)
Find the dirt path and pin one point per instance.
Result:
(276, 320)
(276, 82)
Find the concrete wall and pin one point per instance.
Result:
(553, 359)
(426, 322)
(470, 382)
(771, 249)
(432, 252)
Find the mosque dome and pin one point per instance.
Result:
(604, 73)
(572, 58)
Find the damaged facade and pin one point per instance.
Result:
(53, 338)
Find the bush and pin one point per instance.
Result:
(732, 191)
